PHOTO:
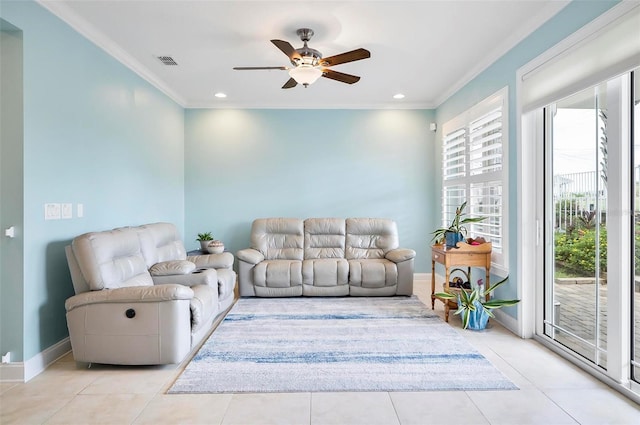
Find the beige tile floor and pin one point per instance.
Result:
(552, 391)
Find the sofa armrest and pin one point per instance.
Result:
(198, 277)
(170, 268)
(130, 294)
(401, 254)
(215, 261)
(250, 256)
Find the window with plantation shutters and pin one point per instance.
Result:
(474, 171)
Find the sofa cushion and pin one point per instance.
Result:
(370, 238)
(170, 268)
(372, 273)
(111, 259)
(324, 238)
(325, 272)
(278, 273)
(160, 242)
(278, 238)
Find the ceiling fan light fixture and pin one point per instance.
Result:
(305, 74)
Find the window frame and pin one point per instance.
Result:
(499, 99)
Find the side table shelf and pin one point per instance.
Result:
(463, 255)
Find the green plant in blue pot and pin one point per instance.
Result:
(473, 304)
(457, 230)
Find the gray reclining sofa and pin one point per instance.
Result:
(324, 257)
(139, 299)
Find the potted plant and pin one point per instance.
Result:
(473, 304)
(204, 239)
(457, 229)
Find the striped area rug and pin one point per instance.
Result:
(336, 344)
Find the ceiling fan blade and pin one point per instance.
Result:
(251, 68)
(339, 76)
(354, 55)
(287, 49)
(291, 83)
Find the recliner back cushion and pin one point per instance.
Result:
(160, 242)
(370, 238)
(111, 259)
(324, 238)
(278, 238)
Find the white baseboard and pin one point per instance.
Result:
(422, 276)
(507, 321)
(38, 363)
(25, 371)
(12, 372)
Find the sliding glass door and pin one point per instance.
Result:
(591, 289)
(579, 164)
(576, 208)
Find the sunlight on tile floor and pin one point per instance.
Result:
(552, 391)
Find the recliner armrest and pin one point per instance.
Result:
(215, 261)
(401, 254)
(130, 294)
(250, 256)
(173, 267)
(198, 277)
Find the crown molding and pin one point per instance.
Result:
(67, 15)
(546, 13)
(374, 106)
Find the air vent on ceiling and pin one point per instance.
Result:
(167, 60)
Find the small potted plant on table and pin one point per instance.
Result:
(204, 239)
(457, 230)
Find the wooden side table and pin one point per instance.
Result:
(464, 255)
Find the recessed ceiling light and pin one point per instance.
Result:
(220, 95)
(398, 96)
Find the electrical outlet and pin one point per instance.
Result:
(6, 358)
(52, 211)
(67, 210)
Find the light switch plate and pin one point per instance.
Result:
(67, 211)
(80, 211)
(52, 211)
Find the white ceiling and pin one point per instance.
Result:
(425, 49)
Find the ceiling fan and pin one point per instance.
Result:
(309, 65)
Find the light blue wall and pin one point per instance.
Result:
(94, 133)
(246, 164)
(11, 187)
(503, 73)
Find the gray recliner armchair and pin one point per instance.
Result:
(139, 299)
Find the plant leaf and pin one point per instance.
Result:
(495, 285)
(473, 297)
(464, 296)
(465, 319)
(471, 220)
(500, 303)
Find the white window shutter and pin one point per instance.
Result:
(473, 147)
